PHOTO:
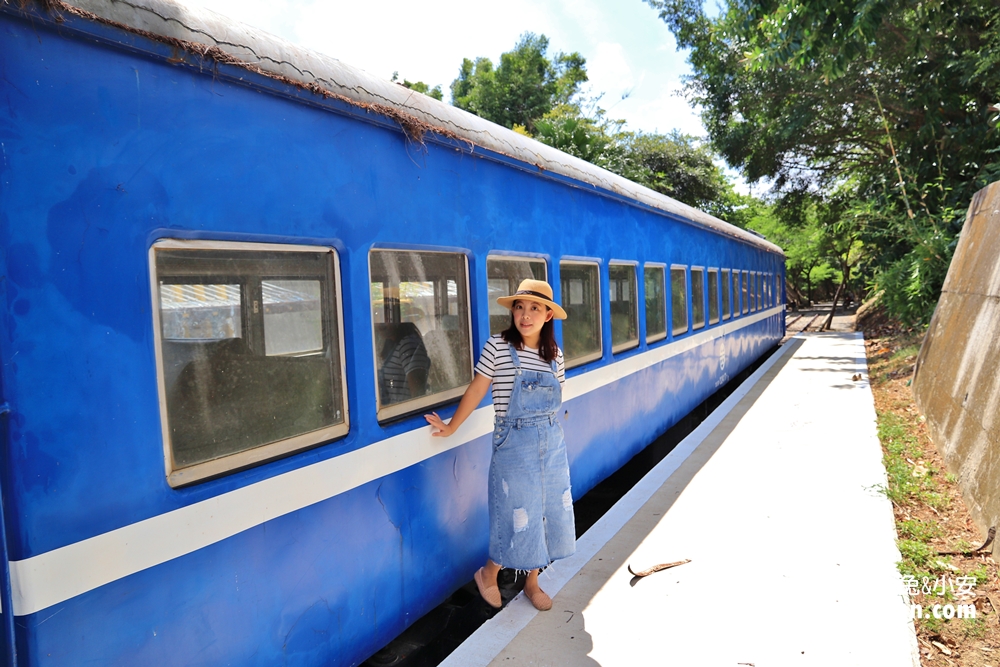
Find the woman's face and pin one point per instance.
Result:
(529, 316)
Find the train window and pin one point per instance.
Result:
(504, 274)
(581, 299)
(249, 353)
(713, 296)
(293, 322)
(624, 307)
(744, 294)
(734, 284)
(678, 300)
(727, 287)
(656, 304)
(753, 292)
(421, 328)
(697, 298)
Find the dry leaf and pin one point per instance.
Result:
(941, 647)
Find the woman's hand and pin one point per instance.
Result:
(443, 430)
(470, 399)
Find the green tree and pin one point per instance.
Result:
(889, 98)
(542, 98)
(419, 86)
(798, 232)
(525, 86)
(682, 167)
(674, 164)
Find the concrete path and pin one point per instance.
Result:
(775, 500)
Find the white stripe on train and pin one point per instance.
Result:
(58, 575)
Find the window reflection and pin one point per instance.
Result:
(421, 333)
(624, 308)
(726, 295)
(744, 294)
(697, 298)
(580, 285)
(656, 305)
(293, 321)
(678, 300)
(713, 296)
(250, 364)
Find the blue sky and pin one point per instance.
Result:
(627, 47)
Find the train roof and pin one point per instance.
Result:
(215, 36)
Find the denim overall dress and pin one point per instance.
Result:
(531, 505)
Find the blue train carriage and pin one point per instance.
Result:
(235, 275)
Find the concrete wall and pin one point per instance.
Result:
(957, 380)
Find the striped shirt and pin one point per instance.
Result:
(406, 356)
(496, 363)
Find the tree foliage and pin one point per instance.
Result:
(541, 97)
(682, 167)
(525, 86)
(882, 104)
(419, 86)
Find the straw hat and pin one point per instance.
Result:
(533, 290)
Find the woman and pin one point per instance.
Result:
(530, 503)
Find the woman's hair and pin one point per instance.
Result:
(547, 348)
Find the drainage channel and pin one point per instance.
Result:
(434, 636)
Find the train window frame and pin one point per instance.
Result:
(564, 300)
(713, 296)
(661, 268)
(727, 295)
(735, 280)
(677, 329)
(633, 342)
(407, 408)
(744, 299)
(496, 257)
(332, 334)
(699, 315)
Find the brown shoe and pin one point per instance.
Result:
(491, 594)
(540, 600)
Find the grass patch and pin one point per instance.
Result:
(906, 354)
(910, 480)
(973, 628)
(915, 529)
(930, 516)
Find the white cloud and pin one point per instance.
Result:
(609, 70)
(422, 41)
(626, 45)
(666, 112)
